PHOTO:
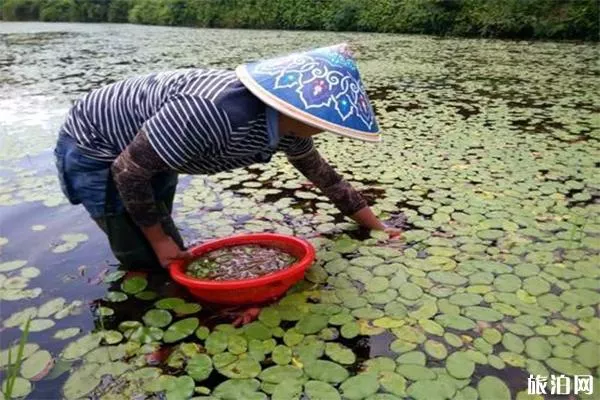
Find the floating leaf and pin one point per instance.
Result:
(146, 295)
(281, 355)
(279, 373)
(492, 388)
(360, 386)
(287, 390)
(436, 349)
(81, 382)
(115, 297)
(157, 318)
(114, 276)
(216, 342)
(415, 372)
(66, 333)
(146, 334)
(183, 388)
(37, 366)
(412, 357)
(340, 353)
(317, 390)
(38, 325)
(134, 285)
(187, 308)
(20, 387)
(81, 346)
(181, 329)
(199, 367)
(237, 389)
(12, 265)
(459, 365)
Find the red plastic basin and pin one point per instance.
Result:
(247, 291)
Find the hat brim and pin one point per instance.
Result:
(293, 112)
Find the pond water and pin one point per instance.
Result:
(491, 150)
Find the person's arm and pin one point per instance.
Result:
(132, 172)
(347, 199)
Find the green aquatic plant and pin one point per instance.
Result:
(13, 385)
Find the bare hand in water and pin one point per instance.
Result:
(168, 251)
(246, 316)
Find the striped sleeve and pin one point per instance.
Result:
(186, 127)
(295, 147)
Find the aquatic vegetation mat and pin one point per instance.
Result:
(489, 163)
(239, 262)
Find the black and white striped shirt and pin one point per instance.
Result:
(197, 121)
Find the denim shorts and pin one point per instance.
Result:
(84, 180)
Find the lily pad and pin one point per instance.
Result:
(115, 297)
(157, 318)
(146, 334)
(415, 372)
(146, 295)
(51, 307)
(37, 366)
(281, 355)
(360, 386)
(492, 388)
(20, 388)
(187, 308)
(436, 349)
(199, 367)
(312, 323)
(81, 382)
(134, 285)
(114, 276)
(317, 390)
(181, 329)
(12, 265)
(66, 333)
(538, 348)
(287, 390)
(459, 365)
(279, 373)
(81, 346)
(340, 353)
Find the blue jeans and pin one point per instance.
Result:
(84, 180)
(89, 182)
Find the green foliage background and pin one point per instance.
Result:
(547, 19)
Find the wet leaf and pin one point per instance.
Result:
(459, 365)
(312, 323)
(317, 390)
(81, 382)
(12, 265)
(115, 297)
(359, 387)
(187, 308)
(279, 373)
(340, 353)
(157, 318)
(20, 388)
(199, 367)
(492, 388)
(114, 276)
(81, 346)
(66, 333)
(181, 329)
(134, 285)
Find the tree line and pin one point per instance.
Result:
(527, 19)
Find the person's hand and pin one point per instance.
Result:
(246, 316)
(168, 251)
(395, 233)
